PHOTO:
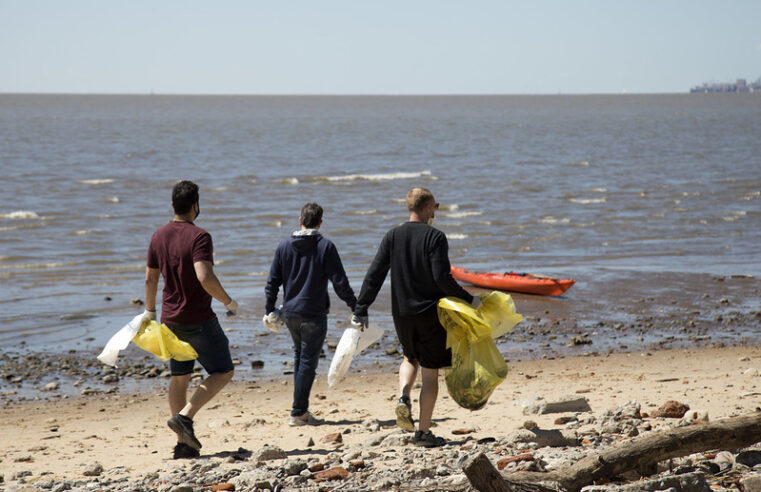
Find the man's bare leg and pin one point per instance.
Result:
(428, 395)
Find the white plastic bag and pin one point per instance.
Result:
(368, 337)
(345, 351)
(120, 340)
(352, 342)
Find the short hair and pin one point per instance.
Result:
(311, 215)
(184, 196)
(418, 198)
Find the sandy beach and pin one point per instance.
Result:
(63, 439)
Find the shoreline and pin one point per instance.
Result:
(126, 433)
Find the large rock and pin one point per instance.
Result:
(672, 409)
(267, 453)
(572, 403)
(543, 438)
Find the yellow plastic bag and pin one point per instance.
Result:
(477, 366)
(159, 340)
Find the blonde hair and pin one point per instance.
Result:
(418, 198)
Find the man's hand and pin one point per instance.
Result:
(232, 308)
(359, 322)
(149, 315)
(273, 317)
(476, 302)
(274, 321)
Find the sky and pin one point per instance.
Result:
(380, 47)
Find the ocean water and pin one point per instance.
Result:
(570, 186)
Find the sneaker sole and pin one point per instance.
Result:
(403, 418)
(182, 436)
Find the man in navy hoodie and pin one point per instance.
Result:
(303, 264)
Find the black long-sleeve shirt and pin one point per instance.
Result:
(418, 257)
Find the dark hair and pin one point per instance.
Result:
(311, 215)
(184, 196)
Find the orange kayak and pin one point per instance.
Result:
(514, 282)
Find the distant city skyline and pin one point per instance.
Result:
(393, 47)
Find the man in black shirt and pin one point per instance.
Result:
(418, 257)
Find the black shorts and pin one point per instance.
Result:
(423, 339)
(211, 344)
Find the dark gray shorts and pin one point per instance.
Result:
(423, 339)
(211, 344)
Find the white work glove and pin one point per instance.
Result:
(476, 302)
(149, 315)
(232, 307)
(359, 322)
(274, 321)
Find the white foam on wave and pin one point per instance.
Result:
(95, 181)
(580, 164)
(552, 220)
(599, 190)
(20, 214)
(456, 236)
(291, 181)
(457, 215)
(275, 223)
(113, 199)
(450, 208)
(81, 233)
(587, 201)
(377, 177)
(752, 196)
(34, 266)
(362, 212)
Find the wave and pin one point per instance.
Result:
(95, 181)
(362, 212)
(587, 200)
(580, 164)
(374, 177)
(449, 208)
(552, 220)
(457, 236)
(291, 181)
(34, 266)
(275, 223)
(457, 215)
(113, 199)
(20, 214)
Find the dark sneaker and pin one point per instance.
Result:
(183, 426)
(404, 414)
(428, 440)
(182, 450)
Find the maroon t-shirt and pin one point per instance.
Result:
(173, 250)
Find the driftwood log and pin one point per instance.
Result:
(641, 455)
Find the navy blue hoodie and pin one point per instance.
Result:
(303, 264)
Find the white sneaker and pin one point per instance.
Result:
(305, 419)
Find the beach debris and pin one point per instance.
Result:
(571, 403)
(267, 453)
(502, 463)
(332, 438)
(51, 386)
(672, 409)
(641, 456)
(223, 486)
(335, 473)
(93, 470)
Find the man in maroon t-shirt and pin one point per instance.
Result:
(182, 253)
